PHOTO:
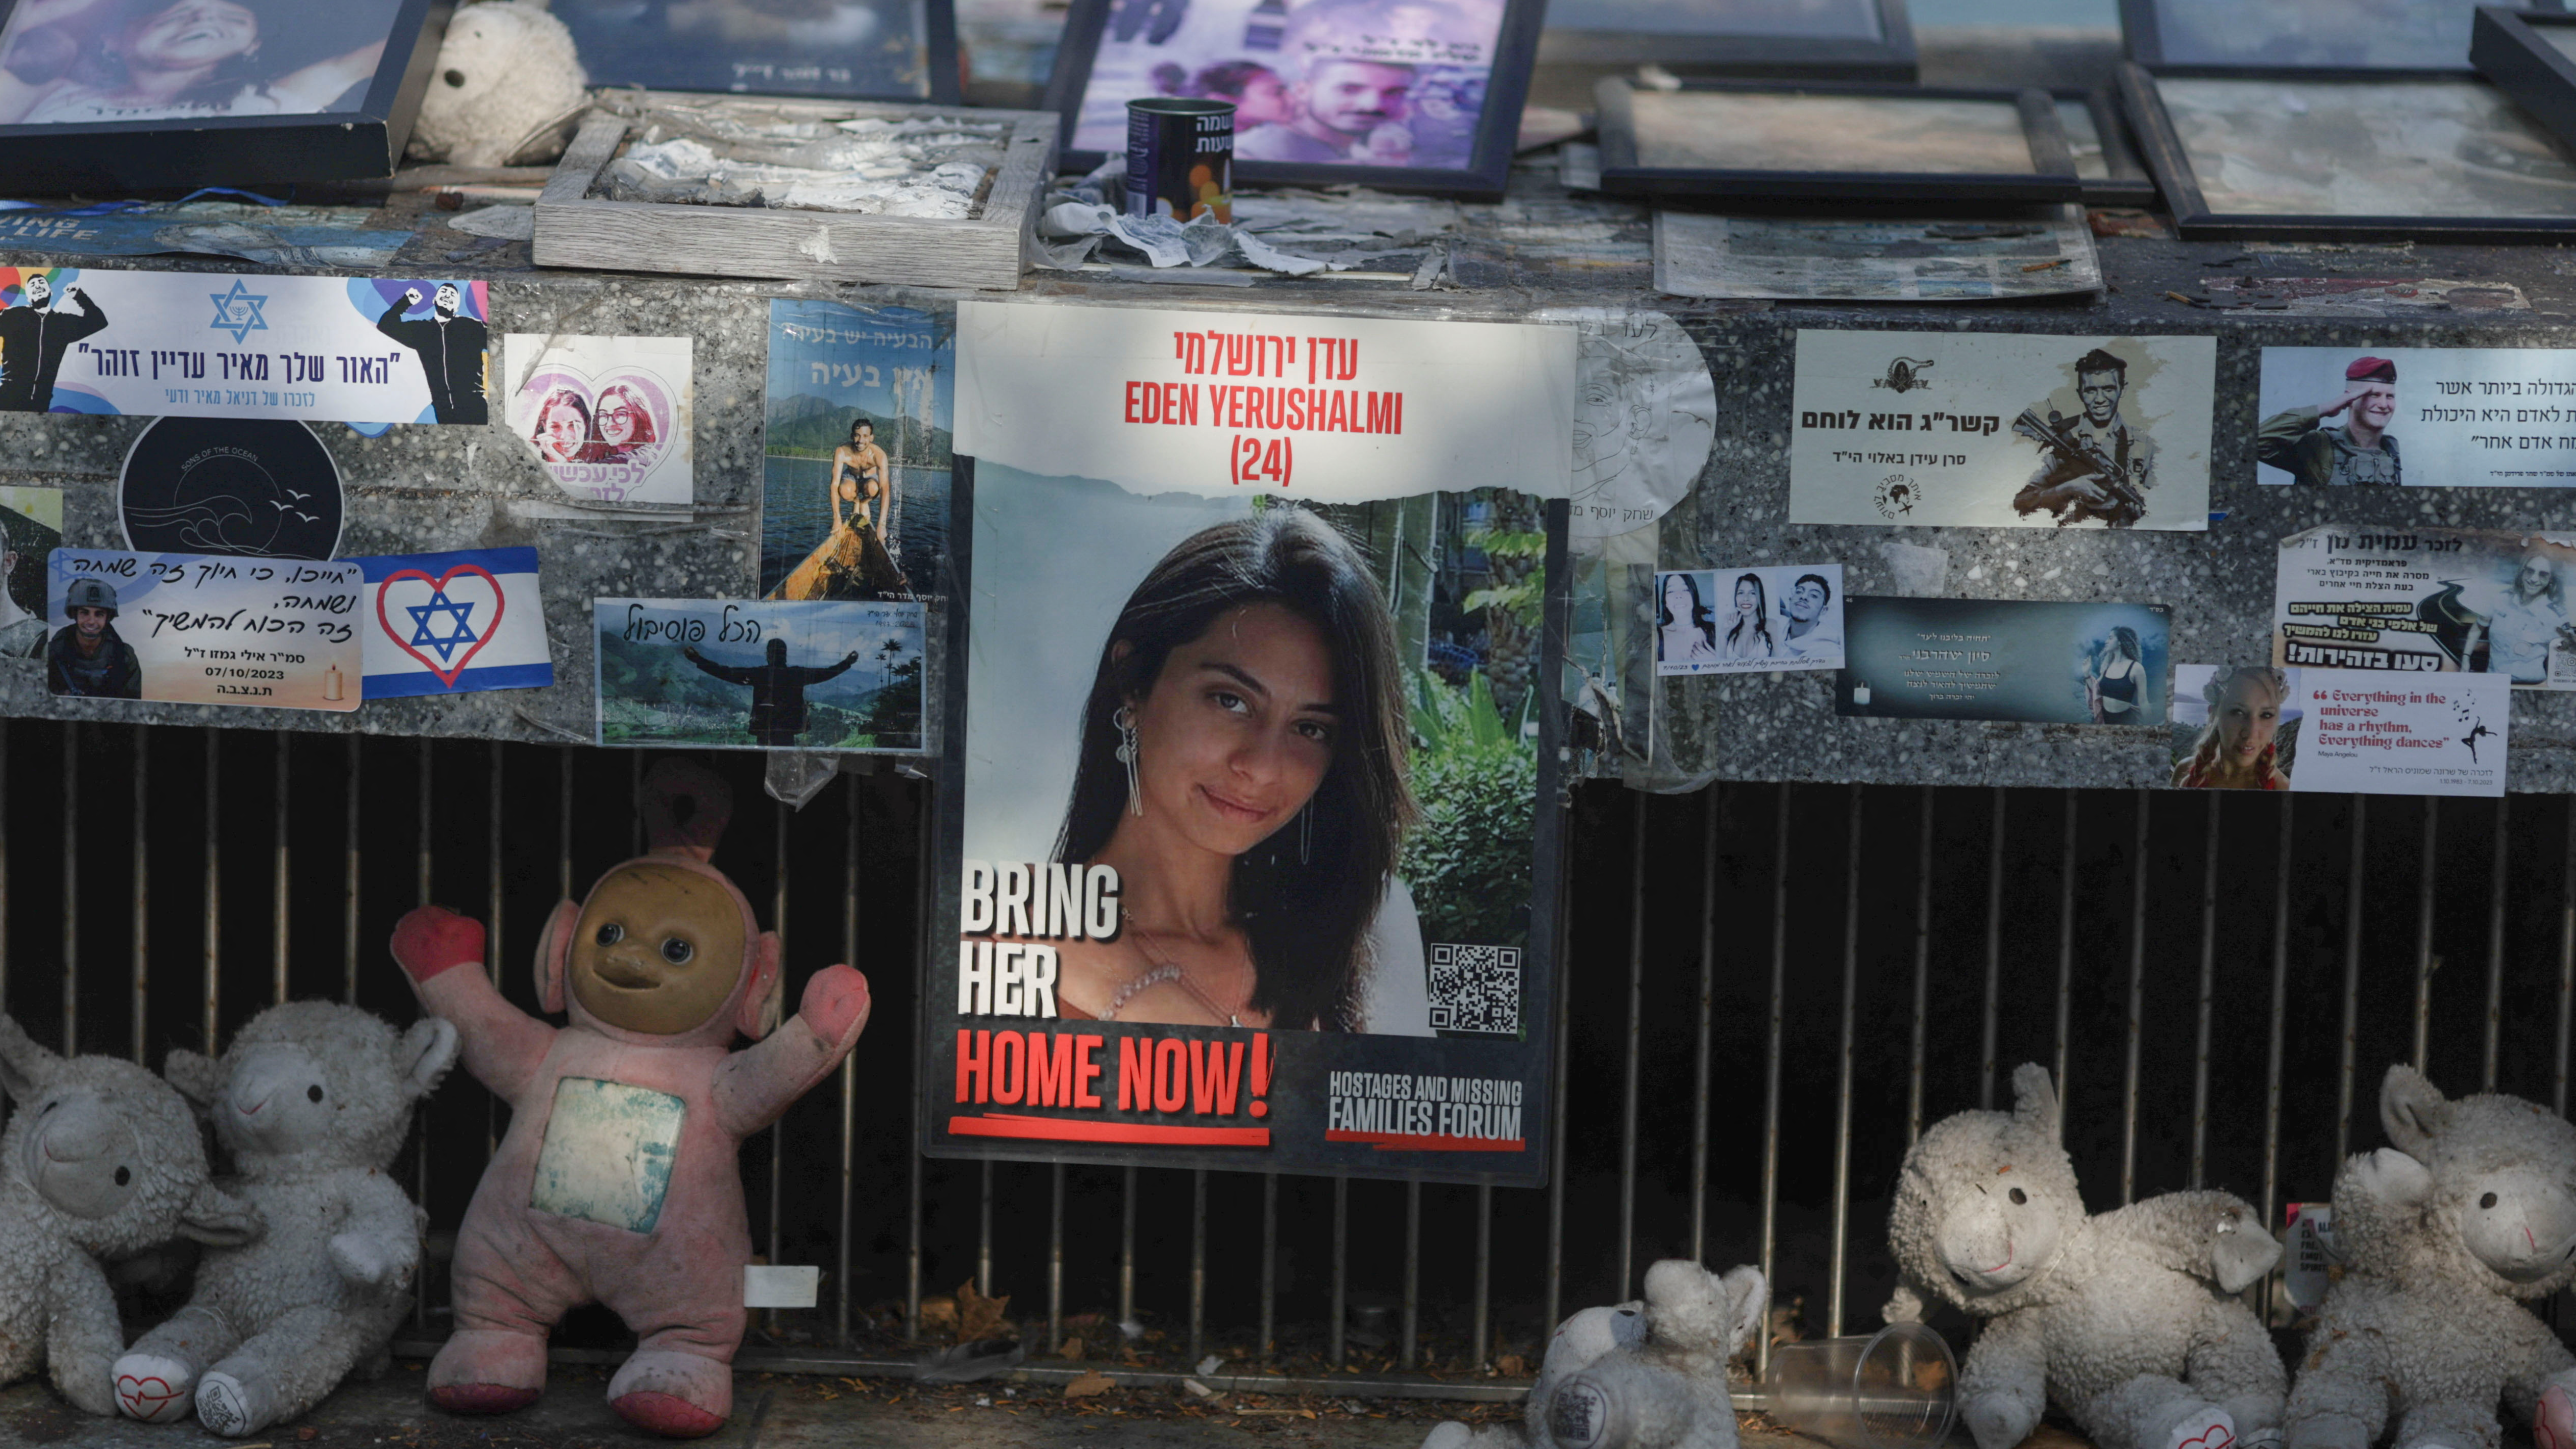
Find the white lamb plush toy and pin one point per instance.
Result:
(101, 1159)
(1644, 1375)
(507, 70)
(2444, 1237)
(313, 1101)
(2123, 1318)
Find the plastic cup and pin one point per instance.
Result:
(1896, 1389)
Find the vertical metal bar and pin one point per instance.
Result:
(778, 925)
(1559, 1089)
(1412, 1327)
(492, 895)
(984, 1232)
(1771, 1065)
(1269, 1265)
(1699, 1068)
(2424, 933)
(213, 947)
(923, 895)
(1629, 1082)
(2065, 962)
(141, 870)
(1484, 1274)
(1127, 1252)
(426, 819)
(1055, 1260)
(2137, 1008)
(428, 813)
(2351, 986)
(282, 895)
(71, 888)
(1994, 954)
(2273, 1045)
(2208, 983)
(849, 1075)
(5, 757)
(1922, 973)
(2566, 967)
(2495, 943)
(1198, 1262)
(1838, 1253)
(349, 877)
(1338, 1344)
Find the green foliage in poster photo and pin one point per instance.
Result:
(1475, 776)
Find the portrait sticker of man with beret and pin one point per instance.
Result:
(2299, 442)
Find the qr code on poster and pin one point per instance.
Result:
(1476, 988)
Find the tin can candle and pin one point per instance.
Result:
(1180, 158)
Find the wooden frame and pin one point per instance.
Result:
(2051, 177)
(1497, 118)
(121, 156)
(1770, 55)
(938, 40)
(988, 250)
(2507, 48)
(2128, 183)
(2142, 22)
(2196, 221)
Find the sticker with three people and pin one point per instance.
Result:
(1738, 621)
(750, 674)
(609, 417)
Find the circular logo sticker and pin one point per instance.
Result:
(1896, 496)
(257, 487)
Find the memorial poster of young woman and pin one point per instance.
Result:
(1253, 863)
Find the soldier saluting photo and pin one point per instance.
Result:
(2298, 443)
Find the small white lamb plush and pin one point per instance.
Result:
(2444, 1237)
(313, 1101)
(506, 70)
(101, 1159)
(2123, 1318)
(1642, 1375)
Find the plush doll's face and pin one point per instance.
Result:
(78, 1153)
(2502, 1173)
(658, 949)
(1994, 1232)
(278, 1100)
(1986, 1198)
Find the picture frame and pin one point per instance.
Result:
(334, 100)
(2279, 148)
(2163, 38)
(1627, 167)
(988, 250)
(1465, 157)
(735, 48)
(2095, 127)
(2528, 57)
(1750, 50)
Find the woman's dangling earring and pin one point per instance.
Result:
(1125, 721)
(1306, 834)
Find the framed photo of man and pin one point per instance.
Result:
(99, 95)
(1402, 95)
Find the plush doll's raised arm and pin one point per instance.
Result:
(2214, 1235)
(379, 1243)
(503, 1046)
(2003, 1387)
(82, 1335)
(755, 1086)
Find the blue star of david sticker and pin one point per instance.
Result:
(445, 644)
(238, 311)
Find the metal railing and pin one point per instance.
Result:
(1770, 990)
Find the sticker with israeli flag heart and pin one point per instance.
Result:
(445, 623)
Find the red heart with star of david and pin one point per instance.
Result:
(146, 1397)
(447, 673)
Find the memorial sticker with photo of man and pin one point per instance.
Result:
(31, 528)
(855, 452)
(181, 628)
(749, 674)
(2425, 417)
(2428, 601)
(1988, 430)
(85, 62)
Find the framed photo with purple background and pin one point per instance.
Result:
(100, 95)
(1403, 95)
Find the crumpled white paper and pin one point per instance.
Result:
(1077, 219)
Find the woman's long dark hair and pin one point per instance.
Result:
(1761, 612)
(2125, 639)
(1701, 619)
(1305, 911)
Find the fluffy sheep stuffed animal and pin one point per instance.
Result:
(2123, 1318)
(506, 72)
(313, 1100)
(1645, 1375)
(2444, 1237)
(101, 1159)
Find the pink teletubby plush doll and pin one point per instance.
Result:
(618, 1182)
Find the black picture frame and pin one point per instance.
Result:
(1766, 55)
(2195, 220)
(2508, 49)
(2142, 22)
(1497, 121)
(140, 155)
(2052, 176)
(943, 83)
(2128, 183)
